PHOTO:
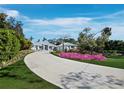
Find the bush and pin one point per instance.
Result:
(19, 56)
(111, 53)
(9, 44)
(25, 44)
(55, 53)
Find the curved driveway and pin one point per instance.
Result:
(72, 74)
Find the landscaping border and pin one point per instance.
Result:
(18, 57)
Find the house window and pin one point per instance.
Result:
(50, 47)
(41, 47)
(72, 46)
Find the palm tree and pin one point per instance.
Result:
(31, 38)
(63, 38)
(38, 40)
(44, 39)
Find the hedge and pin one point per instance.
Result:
(9, 44)
(19, 56)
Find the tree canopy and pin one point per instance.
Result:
(88, 43)
(12, 38)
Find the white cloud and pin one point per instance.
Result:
(114, 17)
(55, 33)
(60, 21)
(13, 13)
(118, 32)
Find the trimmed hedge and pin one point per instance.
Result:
(18, 57)
(9, 44)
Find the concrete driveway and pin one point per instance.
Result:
(70, 74)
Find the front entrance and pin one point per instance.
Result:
(41, 47)
(46, 47)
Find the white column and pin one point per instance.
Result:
(48, 47)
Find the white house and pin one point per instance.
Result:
(67, 46)
(46, 46)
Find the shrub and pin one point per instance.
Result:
(19, 56)
(9, 44)
(25, 44)
(111, 53)
(55, 53)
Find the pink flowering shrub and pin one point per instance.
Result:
(98, 57)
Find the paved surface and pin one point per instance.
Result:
(72, 74)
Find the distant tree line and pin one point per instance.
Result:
(114, 45)
(59, 41)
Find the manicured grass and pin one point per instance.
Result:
(112, 61)
(18, 76)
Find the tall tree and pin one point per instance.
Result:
(3, 22)
(101, 40)
(16, 25)
(31, 38)
(18, 28)
(44, 39)
(38, 40)
(86, 41)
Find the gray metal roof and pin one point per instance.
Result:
(44, 43)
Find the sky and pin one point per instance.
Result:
(55, 21)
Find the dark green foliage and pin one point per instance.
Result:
(25, 44)
(12, 24)
(70, 40)
(101, 40)
(3, 22)
(9, 44)
(60, 40)
(115, 45)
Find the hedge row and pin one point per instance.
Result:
(9, 44)
(18, 57)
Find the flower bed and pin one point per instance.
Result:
(98, 57)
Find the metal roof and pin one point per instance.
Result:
(44, 43)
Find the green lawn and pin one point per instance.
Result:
(18, 76)
(111, 62)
